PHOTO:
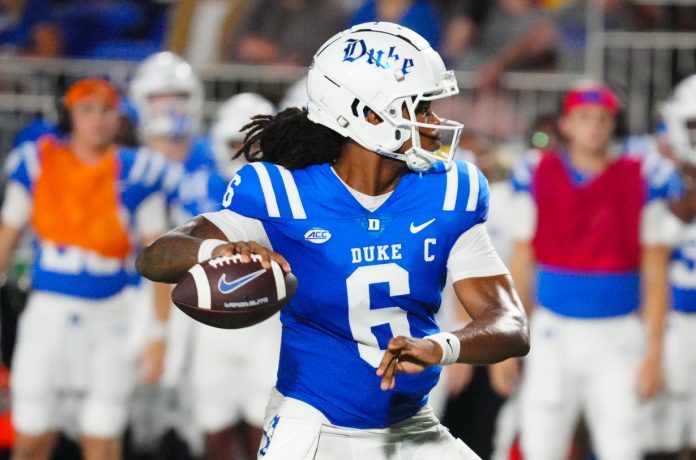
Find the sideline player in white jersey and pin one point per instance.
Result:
(673, 416)
(231, 380)
(361, 196)
(169, 98)
(89, 204)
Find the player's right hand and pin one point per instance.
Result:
(247, 248)
(505, 376)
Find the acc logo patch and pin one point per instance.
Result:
(317, 235)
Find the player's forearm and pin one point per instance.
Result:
(493, 338)
(655, 285)
(166, 259)
(523, 271)
(8, 240)
(499, 329)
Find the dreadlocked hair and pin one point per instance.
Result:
(289, 139)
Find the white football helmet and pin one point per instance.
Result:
(384, 67)
(166, 74)
(679, 113)
(232, 115)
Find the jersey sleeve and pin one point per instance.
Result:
(151, 216)
(16, 206)
(217, 186)
(237, 227)
(663, 179)
(252, 192)
(22, 165)
(524, 206)
(522, 174)
(473, 255)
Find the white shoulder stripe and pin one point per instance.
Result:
(202, 286)
(31, 159)
(156, 164)
(267, 188)
(139, 165)
(451, 189)
(473, 187)
(298, 211)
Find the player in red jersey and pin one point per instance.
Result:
(588, 236)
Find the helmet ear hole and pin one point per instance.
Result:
(397, 135)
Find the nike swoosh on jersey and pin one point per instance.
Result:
(418, 228)
(227, 287)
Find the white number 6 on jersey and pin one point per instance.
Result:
(362, 318)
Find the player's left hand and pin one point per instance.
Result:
(650, 376)
(407, 355)
(152, 361)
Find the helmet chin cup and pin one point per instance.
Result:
(418, 162)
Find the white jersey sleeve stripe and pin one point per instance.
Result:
(155, 170)
(139, 166)
(267, 188)
(202, 286)
(451, 189)
(298, 211)
(31, 159)
(473, 187)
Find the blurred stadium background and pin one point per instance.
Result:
(514, 60)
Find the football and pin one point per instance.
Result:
(226, 293)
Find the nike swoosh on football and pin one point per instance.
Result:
(418, 228)
(227, 287)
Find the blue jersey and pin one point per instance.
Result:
(201, 186)
(683, 272)
(198, 192)
(364, 277)
(76, 269)
(200, 156)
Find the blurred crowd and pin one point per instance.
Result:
(489, 37)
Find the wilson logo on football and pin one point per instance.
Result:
(317, 235)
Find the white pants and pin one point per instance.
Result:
(672, 415)
(588, 365)
(294, 430)
(233, 372)
(71, 346)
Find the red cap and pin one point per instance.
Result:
(596, 94)
(91, 88)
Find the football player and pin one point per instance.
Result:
(360, 195)
(88, 204)
(231, 380)
(673, 422)
(589, 235)
(169, 98)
